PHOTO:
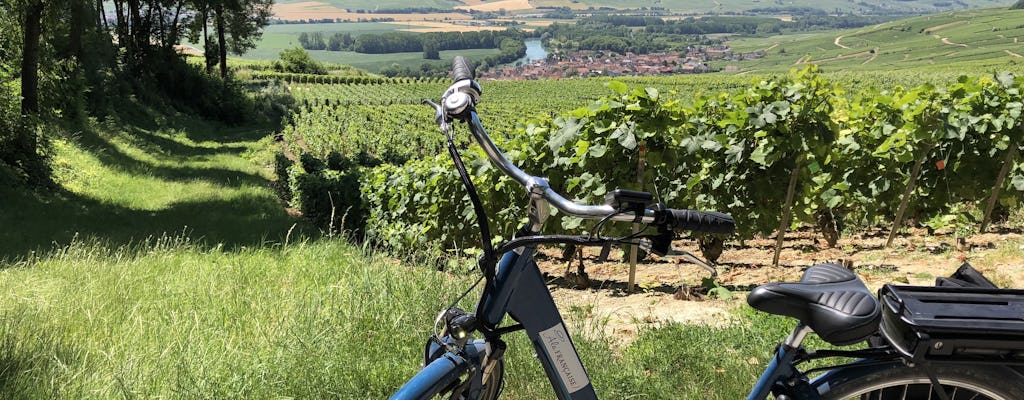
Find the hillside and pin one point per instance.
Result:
(877, 7)
(976, 39)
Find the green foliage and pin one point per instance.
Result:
(298, 61)
(733, 152)
(715, 289)
(329, 194)
(749, 145)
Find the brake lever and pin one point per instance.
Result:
(440, 118)
(647, 246)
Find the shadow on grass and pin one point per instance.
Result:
(163, 147)
(33, 368)
(35, 223)
(39, 222)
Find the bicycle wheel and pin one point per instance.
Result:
(492, 381)
(903, 383)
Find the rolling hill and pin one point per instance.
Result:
(877, 7)
(979, 39)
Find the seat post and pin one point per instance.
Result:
(796, 338)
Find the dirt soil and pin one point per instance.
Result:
(664, 287)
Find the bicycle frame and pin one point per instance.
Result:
(522, 293)
(518, 290)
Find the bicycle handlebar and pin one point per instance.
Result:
(458, 102)
(461, 69)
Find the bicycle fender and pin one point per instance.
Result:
(433, 378)
(825, 382)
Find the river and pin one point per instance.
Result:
(534, 51)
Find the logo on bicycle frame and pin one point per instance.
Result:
(566, 360)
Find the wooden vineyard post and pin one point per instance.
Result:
(787, 212)
(906, 199)
(1011, 154)
(633, 249)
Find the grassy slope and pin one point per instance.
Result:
(689, 5)
(967, 41)
(161, 176)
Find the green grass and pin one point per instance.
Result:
(308, 320)
(123, 185)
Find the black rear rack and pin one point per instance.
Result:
(962, 325)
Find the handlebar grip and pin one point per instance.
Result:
(701, 221)
(461, 69)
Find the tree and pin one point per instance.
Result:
(298, 61)
(1019, 5)
(239, 26)
(430, 51)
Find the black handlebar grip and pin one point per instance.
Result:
(461, 69)
(702, 221)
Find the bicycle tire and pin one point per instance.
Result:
(495, 382)
(490, 391)
(961, 382)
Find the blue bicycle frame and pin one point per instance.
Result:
(521, 292)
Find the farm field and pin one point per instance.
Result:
(975, 39)
(720, 6)
(371, 62)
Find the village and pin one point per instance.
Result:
(586, 63)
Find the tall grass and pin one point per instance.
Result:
(320, 319)
(310, 320)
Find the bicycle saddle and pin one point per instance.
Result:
(829, 299)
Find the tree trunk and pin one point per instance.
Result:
(1011, 154)
(787, 212)
(101, 17)
(172, 38)
(121, 29)
(133, 41)
(222, 44)
(828, 225)
(906, 199)
(207, 51)
(711, 247)
(30, 59)
(77, 28)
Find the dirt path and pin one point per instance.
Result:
(804, 60)
(943, 26)
(946, 41)
(606, 307)
(1013, 54)
(874, 55)
(838, 38)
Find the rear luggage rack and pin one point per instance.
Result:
(972, 325)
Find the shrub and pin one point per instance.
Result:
(297, 60)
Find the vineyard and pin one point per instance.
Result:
(777, 152)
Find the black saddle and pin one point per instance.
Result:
(829, 299)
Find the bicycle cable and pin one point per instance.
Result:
(457, 300)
